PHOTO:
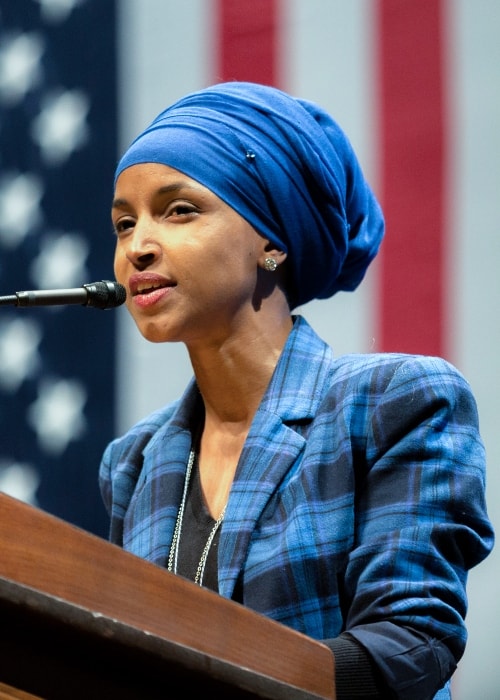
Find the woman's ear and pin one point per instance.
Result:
(271, 257)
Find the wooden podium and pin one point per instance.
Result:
(81, 619)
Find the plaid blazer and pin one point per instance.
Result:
(358, 503)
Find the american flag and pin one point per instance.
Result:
(57, 153)
(414, 83)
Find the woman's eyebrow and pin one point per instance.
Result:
(121, 202)
(176, 186)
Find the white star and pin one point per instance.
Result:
(20, 70)
(61, 262)
(19, 480)
(19, 341)
(20, 211)
(60, 127)
(57, 414)
(57, 10)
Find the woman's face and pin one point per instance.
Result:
(188, 261)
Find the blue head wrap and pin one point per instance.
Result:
(286, 167)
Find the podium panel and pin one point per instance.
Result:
(82, 618)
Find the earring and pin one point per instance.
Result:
(270, 264)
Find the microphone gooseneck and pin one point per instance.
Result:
(99, 295)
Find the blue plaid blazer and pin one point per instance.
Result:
(358, 502)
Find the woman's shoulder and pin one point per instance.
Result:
(135, 439)
(400, 373)
(154, 420)
(393, 364)
(381, 366)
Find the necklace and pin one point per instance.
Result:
(174, 547)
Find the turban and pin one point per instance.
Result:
(286, 167)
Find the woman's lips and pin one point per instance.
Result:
(149, 298)
(147, 289)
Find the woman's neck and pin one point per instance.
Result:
(233, 376)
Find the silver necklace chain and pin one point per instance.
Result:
(174, 547)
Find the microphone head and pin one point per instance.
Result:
(105, 294)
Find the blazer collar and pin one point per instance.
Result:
(301, 375)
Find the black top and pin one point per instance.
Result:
(197, 525)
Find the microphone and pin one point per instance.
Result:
(99, 295)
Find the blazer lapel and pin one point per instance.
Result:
(152, 512)
(263, 466)
(273, 444)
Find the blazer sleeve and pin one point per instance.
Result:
(421, 522)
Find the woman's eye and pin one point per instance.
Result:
(181, 209)
(123, 225)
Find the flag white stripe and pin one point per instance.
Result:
(328, 58)
(165, 52)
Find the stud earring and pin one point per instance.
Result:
(270, 264)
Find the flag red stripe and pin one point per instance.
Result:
(412, 173)
(247, 48)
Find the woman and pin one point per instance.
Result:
(343, 497)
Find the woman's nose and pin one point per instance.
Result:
(143, 248)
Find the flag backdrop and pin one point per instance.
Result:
(57, 151)
(415, 84)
